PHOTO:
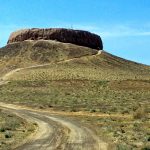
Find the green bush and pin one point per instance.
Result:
(122, 147)
(8, 134)
(92, 110)
(146, 148)
(2, 129)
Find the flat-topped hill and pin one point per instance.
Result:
(78, 37)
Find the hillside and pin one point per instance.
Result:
(83, 62)
(66, 77)
(26, 53)
(67, 68)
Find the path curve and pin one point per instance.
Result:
(56, 132)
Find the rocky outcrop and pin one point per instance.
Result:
(78, 37)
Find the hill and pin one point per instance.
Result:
(66, 77)
(82, 61)
(81, 75)
(26, 53)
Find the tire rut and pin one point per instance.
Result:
(56, 132)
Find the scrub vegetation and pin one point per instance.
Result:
(78, 80)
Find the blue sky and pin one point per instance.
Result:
(124, 25)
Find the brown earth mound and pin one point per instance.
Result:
(78, 37)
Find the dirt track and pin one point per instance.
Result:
(56, 132)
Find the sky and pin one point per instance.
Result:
(124, 25)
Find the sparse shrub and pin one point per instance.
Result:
(146, 148)
(50, 106)
(73, 110)
(41, 107)
(67, 93)
(113, 109)
(103, 83)
(8, 134)
(92, 110)
(140, 113)
(125, 111)
(12, 124)
(122, 147)
(2, 129)
(35, 124)
(31, 129)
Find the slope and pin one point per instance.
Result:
(81, 79)
(103, 66)
(26, 53)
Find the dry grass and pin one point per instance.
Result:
(13, 130)
(35, 52)
(120, 133)
(98, 67)
(95, 84)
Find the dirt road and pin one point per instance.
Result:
(56, 132)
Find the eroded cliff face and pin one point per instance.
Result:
(78, 37)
